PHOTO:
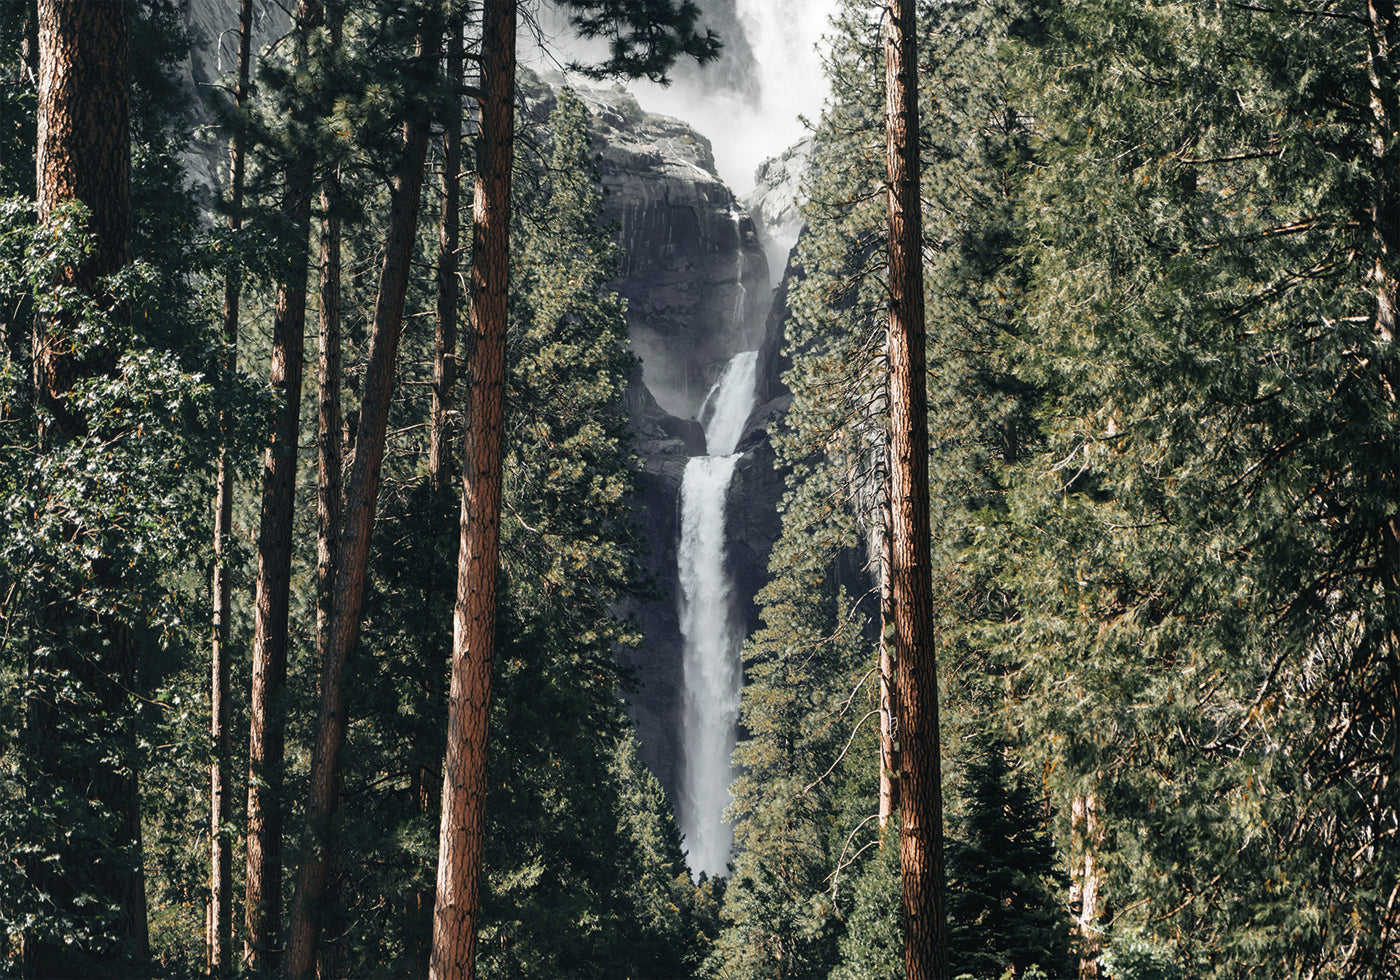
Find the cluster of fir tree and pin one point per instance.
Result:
(1162, 380)
(815, 884)
(584, 874)
(103, 496)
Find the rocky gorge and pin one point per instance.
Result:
(697, 281)
(699, 267)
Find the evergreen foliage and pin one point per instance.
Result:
(1004, 909)
(110, 520)
(1196, 635)
(1162, 375)
(583, 875)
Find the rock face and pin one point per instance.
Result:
(697, 288)
(694, 275)
(212, 26)
(774, 202)
(697, 285)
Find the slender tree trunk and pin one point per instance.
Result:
(362, 493)
(426, 785)
(266, 739)
(80, 52)
(889, 700)
(1383, 37)
(887, 693)
(329, 490)
(456, 916)
(445, 327)
(916, 668)
(220, 861)
(1085, 838)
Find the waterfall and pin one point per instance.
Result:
(741, 292)
(713, 675)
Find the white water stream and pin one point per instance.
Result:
(713, 674)
(741, 294)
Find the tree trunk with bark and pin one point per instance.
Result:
(889, 700)
(457, 914)
(220, 861)
(329, 486)
(361, 498)
(426, 784)
(329, 459)
(83, 155)
(1085, 838)
(1383, 37)
(266, 738)
(916, 668)
(445, 325)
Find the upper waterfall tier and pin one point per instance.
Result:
(726, 408)
(694, 273)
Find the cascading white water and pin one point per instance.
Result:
(741, 292)
(713, 676)
(726, 408)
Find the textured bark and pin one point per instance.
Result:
(426, 784)
(329, 499)
(916, 669)
(220, 917)
(361, 498)
(889, 700)
(83, 155)
(220, 860)
(456, 916)
(1085, 837)
(266, 737)
(329, 494)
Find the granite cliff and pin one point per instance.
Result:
(698, 290)
(697, 285)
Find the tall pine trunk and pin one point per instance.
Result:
(329, 489)
(457, 914)
(426, 787)
(916, 668)
(266, 737)
(84, 677)
(361, 498)
(445, 324)
(220, 862)
(1383, 37)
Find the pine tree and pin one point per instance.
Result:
(832, 438)
(646, 42)
(83, 159)
(266, 737)
(1003, 896)
(220, 930)
(103, 450)
(1200, 295)
(361, 500)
